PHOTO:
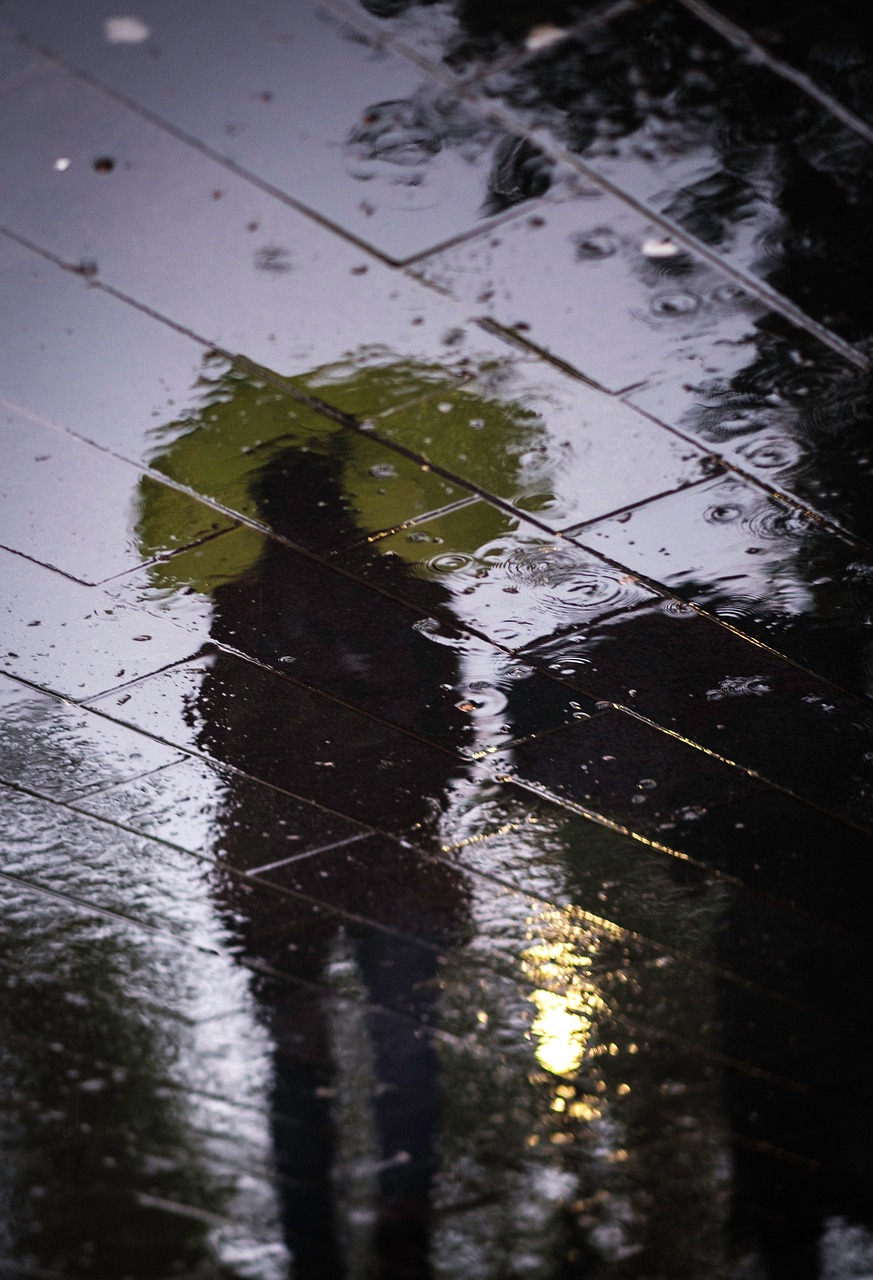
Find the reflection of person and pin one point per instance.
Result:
(514, 1151)
(292, 602)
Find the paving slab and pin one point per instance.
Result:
(547, 443)
(361, 647)
(482, 554)
(328, 741)
(51, 626)
(183, 804)
(662, 105)
(57, 475)
(829, 47)
(763, 567)
(583, 280)
(318, 109)
(60, 750)
(712, 686)
(460, 43)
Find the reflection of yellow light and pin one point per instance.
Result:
(565, 995)
(563, 1035)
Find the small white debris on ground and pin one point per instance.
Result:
(659, 247)
(543, 35)
(125, 30)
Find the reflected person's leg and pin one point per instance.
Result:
(408, 1099)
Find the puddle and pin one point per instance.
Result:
(317, 656)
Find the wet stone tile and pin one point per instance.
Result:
(48, 467)
(110, 1060)
(252, 443)
(784, 848)
(579, 268)
(76, 640)
(296, 936)
(384, 880)
(91, 861)
(391, 156)
(202, 809)
(674, 905)
(628, 772)
(670, 111)
(87, 361)
(238, 714)
(764, 568)
(59, 749)
(679, 341)
(778, 417)
(546, 443)
(318, 626)
(730, 695)
(502, 576)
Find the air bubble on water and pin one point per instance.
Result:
(445, 406)
(383, 470)
(477, 423)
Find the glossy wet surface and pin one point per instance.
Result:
(436, 764)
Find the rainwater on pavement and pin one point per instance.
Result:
(436, 555)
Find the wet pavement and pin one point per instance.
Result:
(436, 764)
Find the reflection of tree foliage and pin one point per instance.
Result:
(96, 1125)
(94, 1131)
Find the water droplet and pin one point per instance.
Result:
(596, 244)
(674, 304)
(62, 164)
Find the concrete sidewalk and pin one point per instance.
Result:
(437, 753)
